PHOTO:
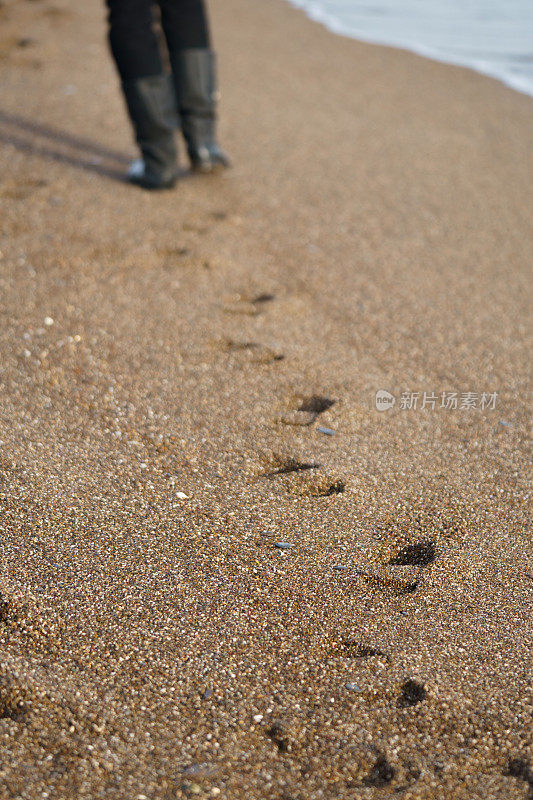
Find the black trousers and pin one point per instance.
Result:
(132, 36)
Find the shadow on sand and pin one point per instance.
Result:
(36, 138)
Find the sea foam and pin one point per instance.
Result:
(494, 37)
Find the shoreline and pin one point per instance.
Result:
(334, 25)
(224, 572)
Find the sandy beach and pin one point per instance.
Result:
(223, 572)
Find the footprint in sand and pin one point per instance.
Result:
(20, 190)
(392, 585)
(13, 43)
(411, 693)
(411, 540)
(200, 225)
(420, 554)
(247, 305)
(356, 649)
(251, 351)
(519, 768)
(300, 478)
(285, 465)
(11, 709)
(25, 42)
(401, 573)
(56, 13)
(307, 411)
(278, 734)
(316, 486)
(381, 773)
(13, 698)
(182, 257)
(219, 216)
(177, 252)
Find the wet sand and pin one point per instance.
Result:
(187, 382)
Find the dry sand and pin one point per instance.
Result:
(375, 232)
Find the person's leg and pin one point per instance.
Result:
(132, 39)
(186, 30)
(148, 91)
(185, 24)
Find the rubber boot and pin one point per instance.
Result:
(151, 103)
(194, 74)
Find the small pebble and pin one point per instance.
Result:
(257, 717)
(352, 687)
(339, 566)
(283, 545)
(327, 431)
(48, 321)
(195, 788)
(182, 495)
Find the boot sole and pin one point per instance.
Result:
(153, 187)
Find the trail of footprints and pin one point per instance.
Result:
(306, 412)
(401, 573)
(303, 478)
(249, 305)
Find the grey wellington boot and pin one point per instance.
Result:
(151, 103)
(196, 91)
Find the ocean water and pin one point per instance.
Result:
(494, 37)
